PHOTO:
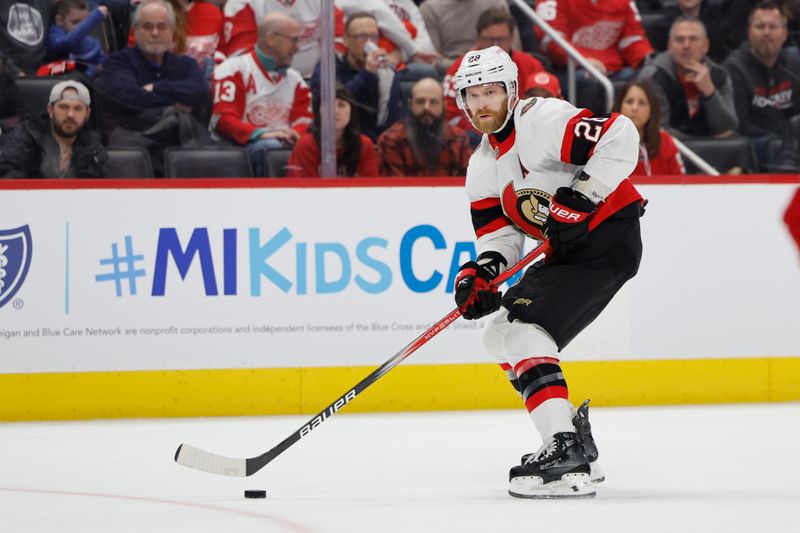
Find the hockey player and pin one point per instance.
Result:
(546, 170)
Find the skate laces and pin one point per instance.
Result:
(547, 450)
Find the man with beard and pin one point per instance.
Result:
(766, 89)
(56, 145)
(424, 144)
(547, 171)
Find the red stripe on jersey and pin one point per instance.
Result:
(526, 364)
(503, 147)
(505, 366)
(569, 135)
(535, 400)
(494, 225)
(607, 124)
(485, 203)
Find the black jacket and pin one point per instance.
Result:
(31, 151)
(766, 98)
(716, 114)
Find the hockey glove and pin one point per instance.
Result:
(568, 223)
(475, 296)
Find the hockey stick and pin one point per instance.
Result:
(229, 466)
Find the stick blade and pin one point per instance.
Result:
(197, 459)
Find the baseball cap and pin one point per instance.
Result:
(57, 92)
(544, 80)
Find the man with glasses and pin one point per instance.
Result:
(495, 27)
(363, 68)
(696, 94)
(259, 100)
(766, 88)
(148, 76)
(241, 17)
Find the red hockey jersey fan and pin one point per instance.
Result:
(607, 30)
(248, 98)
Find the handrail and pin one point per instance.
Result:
(574, 56)
(696, 159)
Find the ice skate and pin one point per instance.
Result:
(584, 429)
(559, 469)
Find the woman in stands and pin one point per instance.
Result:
(657, 151)
(355, 153)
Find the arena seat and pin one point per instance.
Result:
(129, 163)
(723, 154)
(207, 162)
(275, 163)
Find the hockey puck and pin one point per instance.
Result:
(254, 494)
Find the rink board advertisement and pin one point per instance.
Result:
(162, 279)
(198, 278)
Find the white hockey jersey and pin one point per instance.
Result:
(247, 97)
(510, 183)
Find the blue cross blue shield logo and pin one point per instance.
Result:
(15, 259)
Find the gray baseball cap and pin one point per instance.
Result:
(81, 92)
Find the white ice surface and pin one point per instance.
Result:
(728, 468)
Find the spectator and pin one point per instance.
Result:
(147, 89)
(610, 36)
(408, 13)
(23, 33)
(259, 101)
(657, 151)
(392, 28)
(695, 94)
(178, 34)
(424, 144)
(204, 23)
(56, 145)
(725, 22)
(494, 27)
(450, 25)
(240, 32)
(12, 108)
(766, 87)
(355, 152)
(374, 87)
(543, 85)
(69, 37)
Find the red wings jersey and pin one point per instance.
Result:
(241, 18)
(247, 97)
(203, 30)
(608, 30)
(510, 183)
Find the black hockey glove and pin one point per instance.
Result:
(568, 223)
(475, 296)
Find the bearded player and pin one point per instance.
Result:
(545, 170)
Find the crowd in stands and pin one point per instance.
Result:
(83, 81)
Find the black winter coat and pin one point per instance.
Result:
(31, 151)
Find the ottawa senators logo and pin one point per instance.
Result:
(528, 208)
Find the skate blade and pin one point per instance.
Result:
(596, 476)
(569, 486)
